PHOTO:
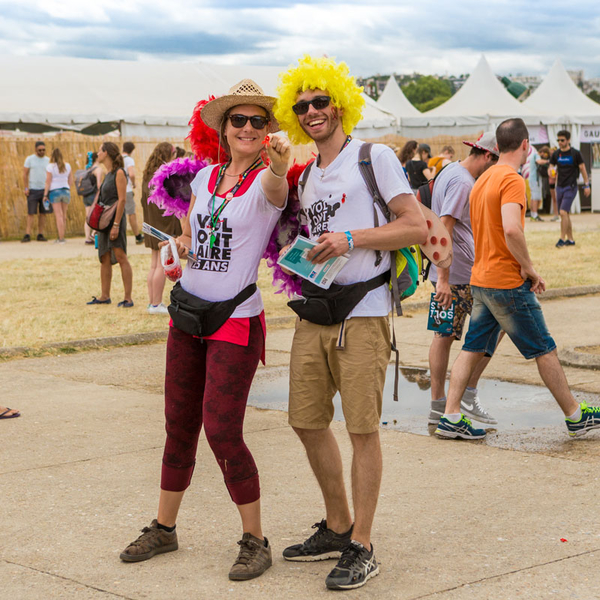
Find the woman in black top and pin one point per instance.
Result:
(112, 244)
(418, 172)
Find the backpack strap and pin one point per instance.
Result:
(305, 174)
(365, 166)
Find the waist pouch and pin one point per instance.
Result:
(328, 307)
(200, 317)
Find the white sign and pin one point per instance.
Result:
(590, 134)
(538, 134)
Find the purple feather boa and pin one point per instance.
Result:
(170, 185)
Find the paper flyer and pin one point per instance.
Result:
(440, 318)
(294, 260)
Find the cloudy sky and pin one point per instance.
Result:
(517, 36)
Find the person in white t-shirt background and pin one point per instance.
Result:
(59, 179)
(128, 148)
(34, 178)
(319, 101)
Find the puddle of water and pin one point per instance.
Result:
(517, 407)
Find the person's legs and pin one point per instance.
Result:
(29, 224)
(60, 221)
(65, 208)
(134, 224)
(439, 355)
(105, 276)
(156, 279)
(224, 408)
(89, 232)
(553, 376)
(41, 223)
(326, 462)
(462, 371)
(366, 480)
(126, 273)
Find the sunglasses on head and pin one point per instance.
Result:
(318, 102)
(258, 122)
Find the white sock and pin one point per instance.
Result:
(533, 214)
(454, 417)
(472, 390)
(576, 416)
(442, 399)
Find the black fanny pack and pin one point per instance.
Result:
(200, 317)
(328, 307)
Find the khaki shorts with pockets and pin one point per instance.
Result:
(318, 370)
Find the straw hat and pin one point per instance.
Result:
(244, 92)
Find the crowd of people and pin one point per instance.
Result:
(217, 333)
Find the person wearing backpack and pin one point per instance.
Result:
(450, 201)
(350, 355)
(90, 183)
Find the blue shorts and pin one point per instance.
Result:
(517, 312)
(565, 197)
(60, 195)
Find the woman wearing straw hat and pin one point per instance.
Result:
(233, 210)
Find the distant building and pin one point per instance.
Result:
(577, 77)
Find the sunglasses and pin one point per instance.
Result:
(41, 150)
(561, 140)
(258, 122)
(318, 102)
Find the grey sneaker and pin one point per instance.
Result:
(472, 409)
(152, 541)
(321, 545)
(356, 566)
(253, 560)
(436, 412)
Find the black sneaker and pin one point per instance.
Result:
(26, 238)
(356, 566)
(139, 238)
(41, 238)
(569, 242)
(560, 243)
(321, 545)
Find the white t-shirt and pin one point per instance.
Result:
(59, 180)
(337, 199)
(242, 235)
(37, 171)
(128, 162)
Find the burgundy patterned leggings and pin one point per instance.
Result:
(208, 383)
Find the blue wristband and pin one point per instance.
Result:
(350, 240)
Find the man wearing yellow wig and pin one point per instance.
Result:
(319, 101)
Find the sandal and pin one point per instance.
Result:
(95, 300)
(5, 415)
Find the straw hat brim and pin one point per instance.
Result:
(212, 112)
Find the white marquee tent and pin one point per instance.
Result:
(394, 101)
(143, 98)
(480, 104)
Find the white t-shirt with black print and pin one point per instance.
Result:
(337, 199)
(242, 234)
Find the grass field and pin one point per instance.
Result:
(43, 300)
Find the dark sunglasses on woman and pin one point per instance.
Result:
(258, 122)
(318, 102)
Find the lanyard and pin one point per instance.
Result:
(346, 142)
(214, 215)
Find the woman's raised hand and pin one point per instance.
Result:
(279, 151)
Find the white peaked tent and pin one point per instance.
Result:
(560, 104)
(481, 103)
(142, 98)
(394, 101)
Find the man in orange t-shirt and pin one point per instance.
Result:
(504, 284)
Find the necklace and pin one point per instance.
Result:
(346, 142)
(214, 215)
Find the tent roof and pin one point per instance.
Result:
(480, 99)
(70, 91)
(393, 100)
(558, 97)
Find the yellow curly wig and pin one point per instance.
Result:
(317, 74)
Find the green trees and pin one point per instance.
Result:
(427, 92)
(595, 96)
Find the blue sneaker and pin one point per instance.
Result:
(461, 429)
(590, 419)
(560, 243)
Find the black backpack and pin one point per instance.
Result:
(86, 182)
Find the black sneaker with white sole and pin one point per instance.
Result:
(356, 566)
(321, 545)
